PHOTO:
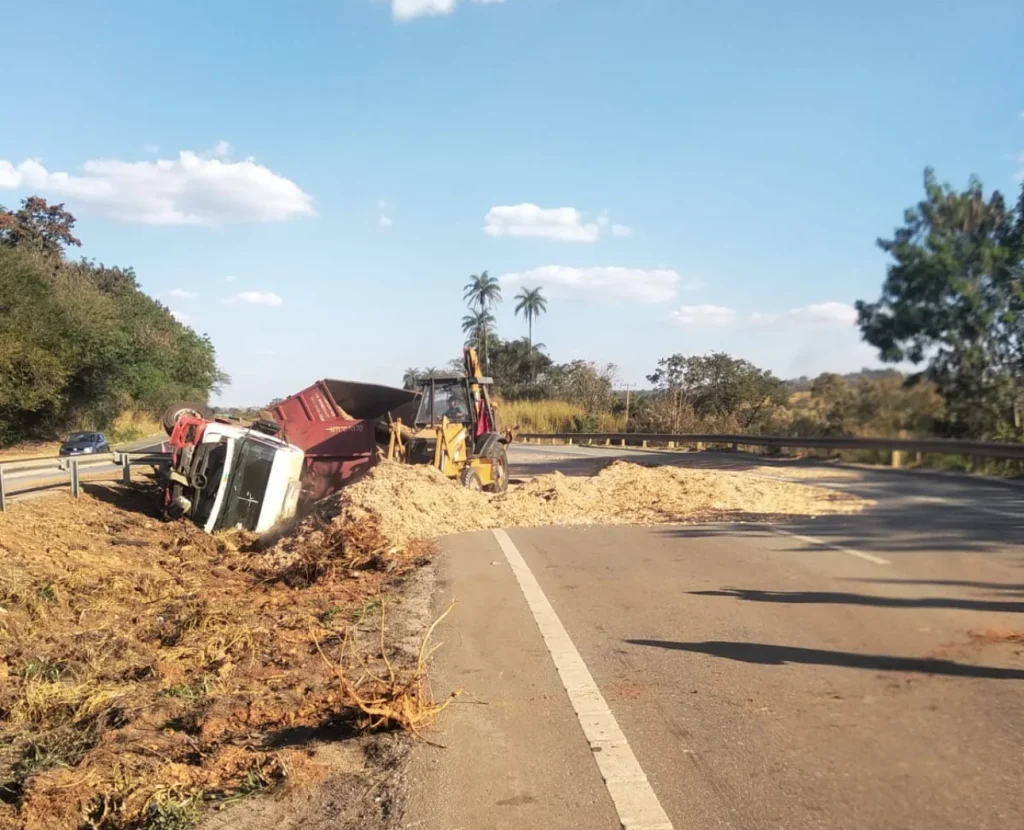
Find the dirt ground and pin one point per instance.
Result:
(151, 671)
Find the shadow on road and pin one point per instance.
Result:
(892, 529)
(949, 583)
(839, 598)
(773, 655)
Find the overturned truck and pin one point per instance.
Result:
(226, 474)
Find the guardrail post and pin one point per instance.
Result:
(643, 444)
(671, 445)
(568, 440)
(607, 442)
(74, 478)
(700, 446)
(3, 494)
(126, 470)
(622, 442)
(896, 459)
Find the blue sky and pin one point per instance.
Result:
(323, 175)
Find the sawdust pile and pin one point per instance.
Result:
(409, 503)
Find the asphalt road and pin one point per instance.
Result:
(732, 676)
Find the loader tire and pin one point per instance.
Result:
(499, 469)
(470, 479)
(180, 409)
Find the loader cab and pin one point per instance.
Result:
(460, 400)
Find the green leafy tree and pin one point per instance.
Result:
(80, 342)
(953, 302)
(531, 304)
(38, 226)
(717, 385)
(516, 366)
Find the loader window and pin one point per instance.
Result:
(442, 400)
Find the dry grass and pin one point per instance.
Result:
(132, 425)
(138, 684)
(552, 416)
(30, 449)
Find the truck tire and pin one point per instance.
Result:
(180, 409)
(499, 470)
(470, 479)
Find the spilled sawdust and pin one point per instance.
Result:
(417, 503)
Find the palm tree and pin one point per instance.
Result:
(410, 378)
(484, 292)
(531, 303)
(477, 327)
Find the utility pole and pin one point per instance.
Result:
(628, 386)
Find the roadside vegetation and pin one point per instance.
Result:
(950, 316)
(80, 343)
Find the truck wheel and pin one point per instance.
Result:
(179, 410)
(470, 479)
(499, 470)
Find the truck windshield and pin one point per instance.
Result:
(247, 486)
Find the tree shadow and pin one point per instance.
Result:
(774, 655)
(890, 530)
(138, 497)
(952, 583)
(839, 598)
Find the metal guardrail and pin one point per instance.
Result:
(897, 446)
(73, 468)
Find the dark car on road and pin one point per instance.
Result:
(84, 443)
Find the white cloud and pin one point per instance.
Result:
(180, 316)
(410, 9)
(230, 278)
(385, 221)
(192, 189)
(816, 315)
(222, 149)
(566, 224)
(528, 220)
(602, 284)
(182, 294)
(703, 315)
(267, 298)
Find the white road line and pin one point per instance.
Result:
(635, 802)
(867, 557)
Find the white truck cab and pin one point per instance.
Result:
(235, 477)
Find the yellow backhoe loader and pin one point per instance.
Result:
(456, 431)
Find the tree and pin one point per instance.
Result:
(38, 226)
(717, 385)
(478, 326)
(530, 303)
(953, 300)
(586, 383)
(80, 342)
(515, 366)
(482, 293)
